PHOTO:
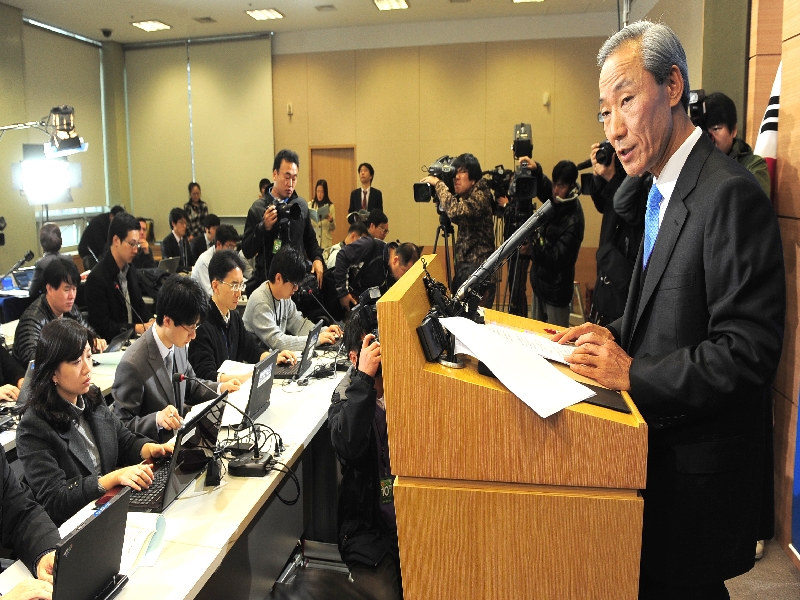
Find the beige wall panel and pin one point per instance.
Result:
(787, 380)
(766, 25)
(116, 127)
(785, 414)
(686, 20)
(761, 75)
(232, 122)
(21, 230)
(158, 113)
(787, 200)
(75, 82)
(290, 85)
(331, 98)
(791, 19)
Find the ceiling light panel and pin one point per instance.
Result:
(264, 14)
(391, 4)
(525, 1)
(151, 26)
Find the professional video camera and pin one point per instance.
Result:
(441, 169)
(286, 213)
(523, 183)
(697, 108)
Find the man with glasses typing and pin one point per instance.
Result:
(272, 315)
(145, 397)
(222, 335)
(113, 296)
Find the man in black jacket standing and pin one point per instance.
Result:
(113, 297)
(357, 420)
(265, 233)
(94, 239)
(222, 335)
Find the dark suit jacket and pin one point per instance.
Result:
(142, 385)
(37, 281)
(95, 236)
(58, 467)
(198, 246)
(375, 200)
(704, 325)
(26, 528)
(108, 313)
(170, 249)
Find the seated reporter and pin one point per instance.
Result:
(272, 315)
(61, 280)
(12, 374)
(357, 420)
(72, 447)
(145, 397)
(222, 335)
(29, 533)
(369, 262)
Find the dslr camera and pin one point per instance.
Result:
(697, 108)
(605, 153)
(441, 169)
(286, 213)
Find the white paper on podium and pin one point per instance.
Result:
(526, 374)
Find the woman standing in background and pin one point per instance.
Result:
(326, 213)
(196, 211)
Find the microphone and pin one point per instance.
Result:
(181, 377)
(584, 165)
(310, 292)
(28, 256)
(119, 289)
(506, 249)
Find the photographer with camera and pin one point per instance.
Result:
(471, 209)
(280, 218)
(621, 201)
(555, 246)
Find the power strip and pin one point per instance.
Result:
(247, 466)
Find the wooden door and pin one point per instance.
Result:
(337, 166)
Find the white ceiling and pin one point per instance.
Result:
(89, 17)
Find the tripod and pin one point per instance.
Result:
(445, 229)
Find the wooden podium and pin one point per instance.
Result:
(492, 500)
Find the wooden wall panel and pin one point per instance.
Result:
(791, 19)
(761, 75)
(785, 411)
(787, 200)
(766, 27)
(787, 380)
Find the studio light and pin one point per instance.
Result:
(64, 140)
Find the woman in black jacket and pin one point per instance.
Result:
(72, 447)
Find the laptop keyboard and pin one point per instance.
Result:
(148, 496)
(285, 371)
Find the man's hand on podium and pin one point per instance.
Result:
(597, 355)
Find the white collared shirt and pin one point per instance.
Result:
(162, 349)
(672, 170)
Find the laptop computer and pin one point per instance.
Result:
(88, 558)
(253, 397)
(170, 265)
(23, 277)
(302, 365)
(119, 341)
(194, 445)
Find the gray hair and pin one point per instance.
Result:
(660, 49)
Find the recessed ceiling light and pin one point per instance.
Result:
(325, 7)
(264, 14)
(151, 25)
(523, 1)
(391, 4)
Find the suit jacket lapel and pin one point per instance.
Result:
(77, 448)
(674, 218)
(159, 369)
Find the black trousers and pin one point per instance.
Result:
(650, 589)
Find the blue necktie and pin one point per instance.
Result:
(654, 199)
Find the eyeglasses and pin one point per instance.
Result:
(295, 286)
(132, 243)
(235, 287)
(191, 328)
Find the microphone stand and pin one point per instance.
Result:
(28, 256)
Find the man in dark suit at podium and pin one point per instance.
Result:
(700, 339)
(366, 197)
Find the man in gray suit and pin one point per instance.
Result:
(700, 339)
(145, 397)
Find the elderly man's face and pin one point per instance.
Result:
(636, 111)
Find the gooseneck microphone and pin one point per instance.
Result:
(119, 289)
(309, 292)
(584, 165)
(181, 377)
(28, 256)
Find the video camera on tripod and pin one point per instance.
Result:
(442, 169)
(522, 184)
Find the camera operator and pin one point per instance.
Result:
(721, 125)
(621, 200)
(471, 209)
(264, 233)
(555, 246)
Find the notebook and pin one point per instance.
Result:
(170, 265)
(304, 364)
(194, 445)
(119, 341)
(23, 277)
(88, 558)
(253, 397)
